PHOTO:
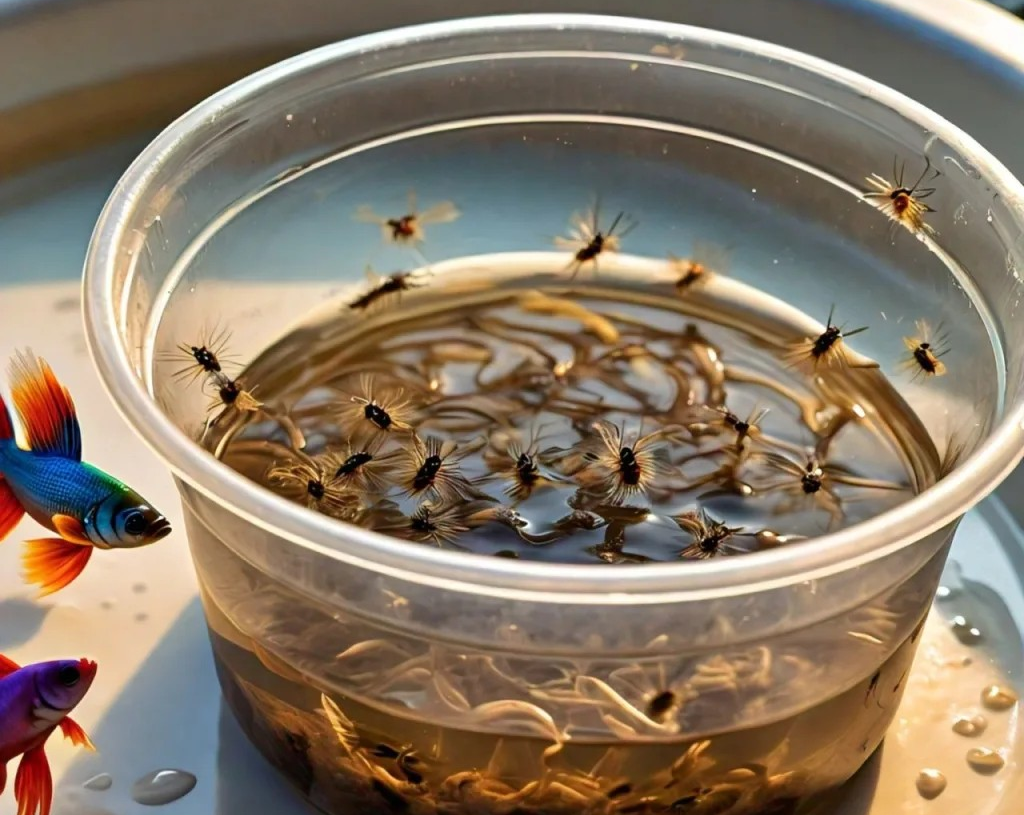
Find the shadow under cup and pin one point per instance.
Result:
(387, 677)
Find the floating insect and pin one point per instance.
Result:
(743, 428)
(588, 241)
(311, 481)
(925, 350)
(518, 461)
(230, 393)
(363, 467)
(904, 205)
(662, 705)
(697, 269)
(35, 701)
(209, 357)
(431, 467)
(408, 228)
(87, 508)
(382, 287)
(827, 347)
(376, 410)
(618, 471)
(434, 522)
(711, 538)
(816, 479)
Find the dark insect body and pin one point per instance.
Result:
(588, 241)
(402, 228)
(526, 470)
(378, 416)
(827, 347)
(659, 707)
(353, 463)
(925, 351)
(207, 357)
(393, 284)
(427, 473)
(811, 480)
(629, 467)
(903, 204)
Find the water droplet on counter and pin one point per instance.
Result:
(162, 787)
(139, 588)
(99, 783)
(930, 783)
(970, 725)
(107, 605)
(984, 761)
(964, 631)
(996, 697)
(141, 617)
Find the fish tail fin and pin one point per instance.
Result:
(33, 785)
(54, 563)
(6, 428)
(11, 509)
(45, 408)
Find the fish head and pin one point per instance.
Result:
(61, 685)
(125, 520)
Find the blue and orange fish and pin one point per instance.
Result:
(87, 508)
(35, 701)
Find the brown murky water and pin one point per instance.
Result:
(504, 417)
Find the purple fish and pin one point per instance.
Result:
(35, 701)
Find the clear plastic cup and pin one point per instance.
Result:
(386, 677)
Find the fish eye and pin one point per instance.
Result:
(69, 676)
(135, 523)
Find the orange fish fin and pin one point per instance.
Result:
(53, 563)
(73, 732)
(45, 408)
(6, 428)
(7, 666)
(70, 529)
(10, 509)
(33, 785)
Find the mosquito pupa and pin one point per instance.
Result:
(904, 205)
(431, 467)
(617, 470)
(362, 467)
(825, 349)
(587, 240)
(310, 481)
(408, 228)
(209, 357)
(711, 537)
(925, 351)
(376, 409)
(382, 287)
